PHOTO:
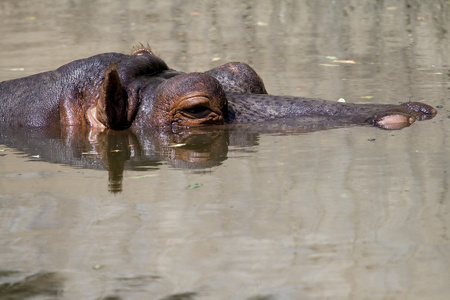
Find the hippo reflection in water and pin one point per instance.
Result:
(119, 91)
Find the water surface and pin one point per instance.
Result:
(347, 213)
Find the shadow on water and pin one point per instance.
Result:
(49, 285)
(183, 296)
(16, 285)
(147, 149)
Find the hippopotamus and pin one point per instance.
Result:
(118, 91)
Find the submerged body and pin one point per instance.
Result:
(119, 91)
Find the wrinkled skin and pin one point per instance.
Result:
(120, 91)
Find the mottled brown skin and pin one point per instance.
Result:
(119, 91)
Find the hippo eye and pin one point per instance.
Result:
(197, 111)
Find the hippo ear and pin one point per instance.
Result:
(112, 102)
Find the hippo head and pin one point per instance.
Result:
(139, 90)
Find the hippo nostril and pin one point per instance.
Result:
(433, 112)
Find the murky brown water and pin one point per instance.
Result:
(320, 215)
